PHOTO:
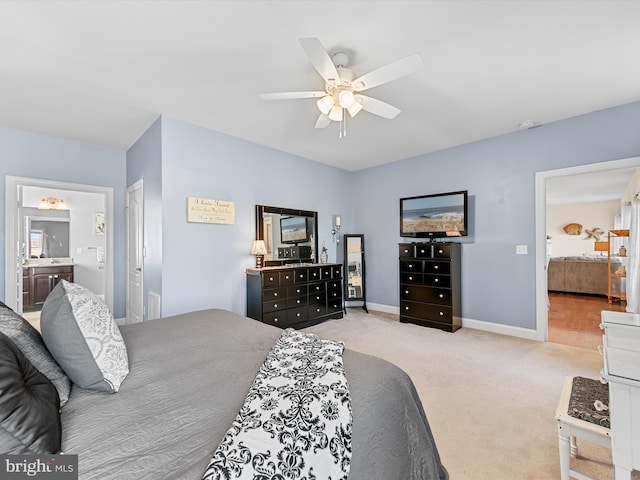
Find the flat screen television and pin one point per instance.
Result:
(438, 215)
(294, 230)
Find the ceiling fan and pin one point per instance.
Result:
(342, 90)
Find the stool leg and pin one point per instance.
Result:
(565, 454)
(574, 446)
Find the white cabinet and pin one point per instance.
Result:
(621, 344)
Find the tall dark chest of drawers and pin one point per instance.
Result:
(430, 285)
(295, 296)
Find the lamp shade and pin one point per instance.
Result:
(601, 246)
(259, 248)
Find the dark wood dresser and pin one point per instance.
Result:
(295, 296)
(430, 285)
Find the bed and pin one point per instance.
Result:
(188, 377)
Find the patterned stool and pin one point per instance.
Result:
(578, 418)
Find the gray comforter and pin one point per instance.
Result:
(189, 376)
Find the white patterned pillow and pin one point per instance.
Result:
(83, 337)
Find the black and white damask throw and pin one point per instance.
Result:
(295, 423)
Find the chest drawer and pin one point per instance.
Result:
(296, 290)
(442, 268)
(410, 277)
(414, 266)
(426, 294)
(279, 293)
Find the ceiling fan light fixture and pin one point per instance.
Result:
(354, 108)
(325, 104)
(336, 113)
(346, 98)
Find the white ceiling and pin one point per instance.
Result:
(101, 72)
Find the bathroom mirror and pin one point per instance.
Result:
(290, 235)
(47, 237)
(354, 269)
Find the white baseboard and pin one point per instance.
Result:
(470, 323)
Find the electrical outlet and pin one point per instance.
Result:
(521, 249)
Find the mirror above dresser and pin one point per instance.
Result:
(290, 235)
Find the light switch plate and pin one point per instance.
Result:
(521, 249)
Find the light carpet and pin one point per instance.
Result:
(490, 399)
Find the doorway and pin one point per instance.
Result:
(541, 178)
(90, 245)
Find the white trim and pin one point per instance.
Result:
(469, 323)
(541, 230)
(499, 328)
(138, 185)
(11, 231)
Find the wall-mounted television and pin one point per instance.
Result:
(438, 215)
(294, 230)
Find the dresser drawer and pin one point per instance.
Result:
(297, 315)
(410, 277)
(425, 294)
(274, 305)
(314, 274)
(316, 310)
(336, 271)
(326, 273)
(317, 287)
(441, 251)
(301, 275)
(424, 250)
(277, 319)
(334, 285)
(270, 294)
(442, 281)
(297, 302)
(406, 250)
(319, 298)
(438, 313)
(270, 279)
(411, 266)
(442, 268)
(296, 290)
(334, 304)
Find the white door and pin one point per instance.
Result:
(135, 247)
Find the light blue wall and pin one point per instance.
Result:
(499, 173)
(36, 156)
(204, 264)
(144, 162)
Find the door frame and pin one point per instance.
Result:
(12, 226)
(139, 185)
(542, 319)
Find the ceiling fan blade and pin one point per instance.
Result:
(291, 95)
(323, 121)
(320, 59)
(378, 107)
(388, 72)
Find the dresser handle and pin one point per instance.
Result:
(441, 296)
(435, 267)
(440, 251)
(410, 278)
(441, 314)
(286, 277)
(275, 294)
(410, 265)
(437, 280)
(275, 320)
(271, 279)
(275, 305)
(298, 314)
(406, 292)
(406, 308)
(298, 301)
(318, 310)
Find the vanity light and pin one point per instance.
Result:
(335, 230)
(51, 203)
(259, 249)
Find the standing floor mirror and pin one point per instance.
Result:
(354, 270)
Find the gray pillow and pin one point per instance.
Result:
(30, 343)
(83, 337)
(29, 405)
